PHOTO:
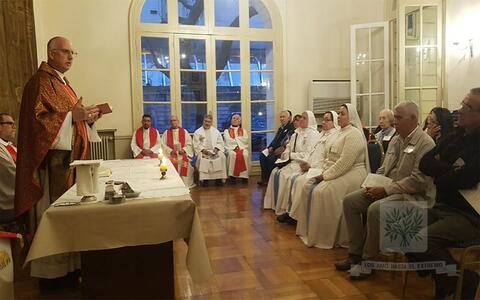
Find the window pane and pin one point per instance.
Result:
(429, 18)
(160, 115)
(363, 78)
(192, 54)
(154, 11)
(378, 103)
(361, 38)
(412, 25)
(377, 43)
(412, 95)
(429, 64)
(261, 55)
(227, 55)
(363, 107)
(156, 86)
(261, 85)
(263, 116)
(260, 142)
(378, 77)
(190, 12)
(226, 13)
(225, 111)
(155, 53)
(228, 86)
(194, 86)
(258, 15)
(192, 115)
(412, 66)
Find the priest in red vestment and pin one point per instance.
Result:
(178, 147)
(236, 145)
(54, 129)
(146, 141)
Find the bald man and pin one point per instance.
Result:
(178, 147)
(55, 128)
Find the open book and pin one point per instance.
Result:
(473, 197)
(375, 180)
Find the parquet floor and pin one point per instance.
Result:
(254, 257)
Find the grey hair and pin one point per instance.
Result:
(410, 107)
(389, 114)
(3, 114)
(208, 116)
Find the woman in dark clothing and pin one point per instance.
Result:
(439, 123)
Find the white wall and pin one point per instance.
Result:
(317, 41)
(462, 71)
(316, 46)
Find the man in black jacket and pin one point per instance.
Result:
(455, 166)
(276, 147)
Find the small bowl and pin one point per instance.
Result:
(132, 195)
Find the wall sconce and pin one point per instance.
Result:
(468, 45)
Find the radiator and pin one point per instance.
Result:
(105, 149)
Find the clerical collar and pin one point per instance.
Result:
(61, 75)
(234, 126)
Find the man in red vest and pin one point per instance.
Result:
(146, 142)
(178, 147)
(8, 159)
(236, 143)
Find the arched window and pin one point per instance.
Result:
(190, 57)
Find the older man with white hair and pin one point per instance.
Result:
(401, 164)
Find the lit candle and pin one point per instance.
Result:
(163, 167)
(160, 156)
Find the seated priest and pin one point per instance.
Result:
(8, 158)
(209, 148)
(146, 142)
(178, 147)
(236, 144)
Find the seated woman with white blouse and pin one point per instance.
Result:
(320, 215)
(298, 149)
(295, 192)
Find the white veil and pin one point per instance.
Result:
(357, 123)
(312, 121)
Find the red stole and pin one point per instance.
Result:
(152, 134)
(12, 152)
(80, 126)
(240, 165)
(173, 154)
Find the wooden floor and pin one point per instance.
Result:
(254, 257)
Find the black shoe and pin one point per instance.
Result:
(204, 183)
(218, 182)
(444, 285)
(261, 183)
(245, 180)
(232, 180)
(346, 264)
(283, 218)
(291, 221)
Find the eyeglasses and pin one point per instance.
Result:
(7, 123)
(67, 51)
(468, 106)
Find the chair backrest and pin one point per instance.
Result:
(375, 156)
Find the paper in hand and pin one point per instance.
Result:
(314, 172)
(104, 108)
(266, 152)
(376, 180)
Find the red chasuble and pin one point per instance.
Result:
(152, 134)
(45, 103)
(173, 154)
(240, 165)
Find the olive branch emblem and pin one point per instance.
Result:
(405, 225)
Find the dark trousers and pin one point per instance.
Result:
(447, 228)
(267, 163)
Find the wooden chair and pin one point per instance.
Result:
(467, 258)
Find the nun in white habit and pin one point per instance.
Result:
(295, 192)
(298, 149)
(320, 219)
(209, 148)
